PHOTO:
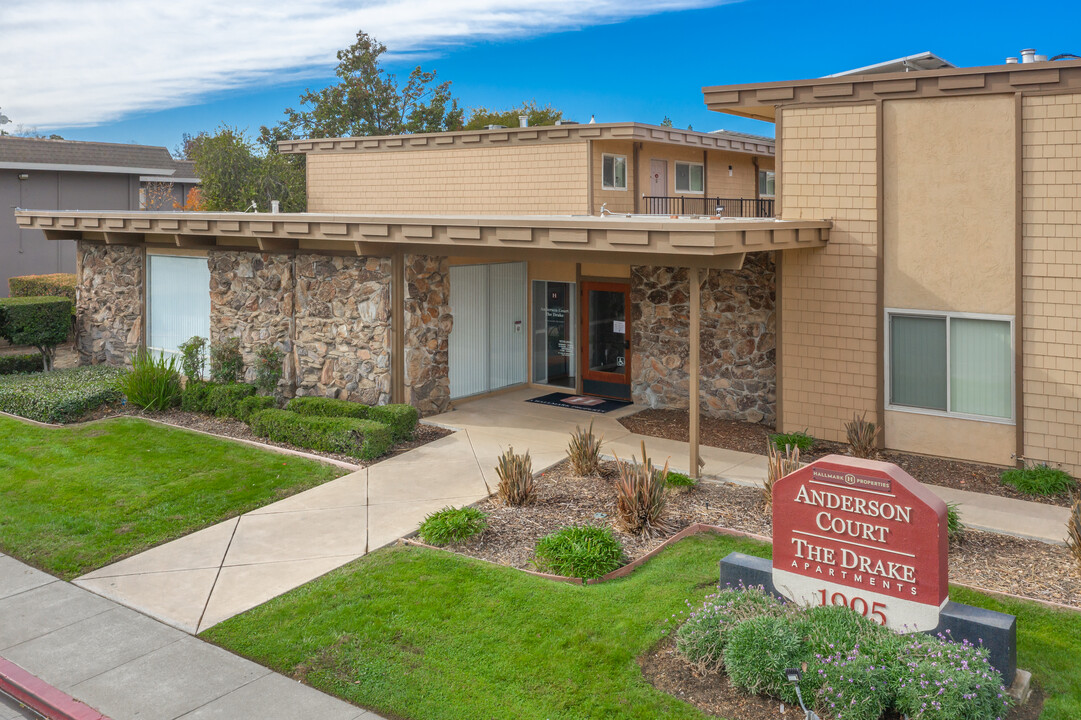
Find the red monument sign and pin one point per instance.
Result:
(864, 534)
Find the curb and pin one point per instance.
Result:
(42, 697)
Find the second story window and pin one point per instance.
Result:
(690, 177)
(614, 172)
(766, 181)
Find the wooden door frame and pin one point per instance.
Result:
(583, 311)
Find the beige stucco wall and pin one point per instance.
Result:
(1052, 279)
(949, 229)
(828, 302)
(950, 437)
(548, 178)
(949, 207)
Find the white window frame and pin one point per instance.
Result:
(675, 179)
(947, 316)
(767, 172)
(626, 171)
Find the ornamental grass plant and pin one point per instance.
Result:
(778, 464)
(1073, 531)
(153, 383)
(581, 551)
(584, 451)
(1039, 479)
(642, 496)
(452, 525)
(515, 477)
(862, 435)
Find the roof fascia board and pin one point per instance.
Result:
(64, 167)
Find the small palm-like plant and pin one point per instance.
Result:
(779, 463)
(955, 529)
(584, 451)
(641, 496)
(862, 435)
(515, 477)
(1073, 531)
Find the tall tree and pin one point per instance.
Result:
(367, 100)
(234, 173)
(480, 117)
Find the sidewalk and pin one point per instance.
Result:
(126, 665)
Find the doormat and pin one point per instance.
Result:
(580, 402)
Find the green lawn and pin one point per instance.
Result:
(75, 499)
(425, 634)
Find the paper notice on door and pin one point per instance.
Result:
(619, 326)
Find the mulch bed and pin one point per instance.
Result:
(713, 694)
(754, 438)
(239, 430)
(986, 560)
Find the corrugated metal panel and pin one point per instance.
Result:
(469, 336)
(508, 331)
(178, 300)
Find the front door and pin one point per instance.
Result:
(606, 339)
(658, 178)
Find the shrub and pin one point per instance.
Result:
(677, 479)
(226, 361)
(452, 525)
(1041, 479)
(948, 681)
(253, 404)
(702, 637)
(53, 285)
(641, 496)
(580, 551)
(955, 529)
(862, 435)
(400, 418)
(1073, 531)
(59, 396)
(800, 440)
(850, 686)
(40, 322)
(515, 477)
(365, 439)
(268, 368)
(193, 358)
(759, 650)
(11, 364)
(327, 407)
(778, 464)
(584, 451)
(196, 396)
(153, 383)
(829, 628)
(224, 400)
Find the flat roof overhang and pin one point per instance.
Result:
(636, 239)
(760, 100)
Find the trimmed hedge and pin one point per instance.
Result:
(401, 419)
(61, 395)
(196, 396)
(253, 404)
(365, 439)
(56, 284)
(221, 399)
(11, 364)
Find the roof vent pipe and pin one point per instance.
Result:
(275, 206)
(1028, 55)
(1041, 58)
(1011, 61)
(523, 121)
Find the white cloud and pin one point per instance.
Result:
(77, 62)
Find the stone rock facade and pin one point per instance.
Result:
(428, 323)
(109, 303)
(251, 297)
(738, 335)
(343, 327)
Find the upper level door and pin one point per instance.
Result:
(658, 178)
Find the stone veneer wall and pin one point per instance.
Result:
(251, 297)
(428, 323)
(343, 327)
(738, 335)
(109, 303)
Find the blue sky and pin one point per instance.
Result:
(639, 68)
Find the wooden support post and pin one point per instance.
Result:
(694, 278)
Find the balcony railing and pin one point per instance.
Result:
(725, 207)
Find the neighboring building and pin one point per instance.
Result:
(66, 174)
(922, 267)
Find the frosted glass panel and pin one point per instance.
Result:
(469, 334)
(489, 342)
(178, 301)
(507, 318)
(918, 362)
(980, 372)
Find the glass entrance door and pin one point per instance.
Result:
(606, 312)
(553, 333)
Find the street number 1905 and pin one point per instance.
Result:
(858, 604)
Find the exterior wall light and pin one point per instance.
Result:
(24, 176)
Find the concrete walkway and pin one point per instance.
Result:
(200, 580)
(127, 666)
